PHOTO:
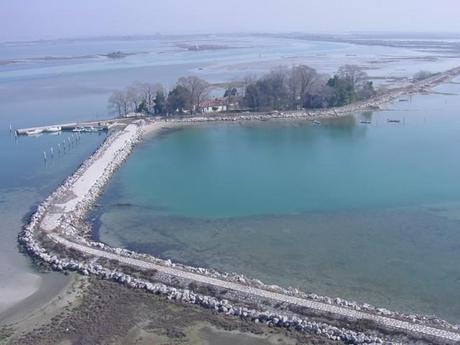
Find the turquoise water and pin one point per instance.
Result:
(369, 212)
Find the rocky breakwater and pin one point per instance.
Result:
(269, 318)
(428, 320)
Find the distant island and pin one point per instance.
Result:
(200, 47)
(117, 55)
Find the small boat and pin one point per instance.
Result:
(34, 132)
(316, 122)
(366, 122)
(393, 121)
(98, 128)
(90, 129)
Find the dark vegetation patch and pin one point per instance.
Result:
(5, 333)
(108, 311)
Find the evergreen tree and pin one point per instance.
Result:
(160, 103)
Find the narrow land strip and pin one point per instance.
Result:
(323, 307)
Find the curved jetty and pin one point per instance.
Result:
(57, 235)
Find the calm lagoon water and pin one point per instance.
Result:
(368, 212)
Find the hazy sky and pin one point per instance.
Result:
(41, 19)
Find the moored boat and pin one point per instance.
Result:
(36, 131)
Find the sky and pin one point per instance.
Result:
(50, 19)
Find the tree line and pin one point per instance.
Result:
(302, 87)
(298, 87)
(152, 99)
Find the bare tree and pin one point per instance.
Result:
(300, 82)
(355, 74)
(319, 94)
(134, 96)
(118, 103)
(198, 89)
(148, 92)
(275, 84)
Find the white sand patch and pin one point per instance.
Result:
(17, 287)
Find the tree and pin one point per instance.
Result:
(350, 83)
(251, 97)
(197, 88)
(366, 91)
(142, 107)
(134, 96)
(231, 96)
(299, 83)
(269, 92)
(248, 80)
(354, 74)
(344, 92)
(275, 84)
(149, 92)
(231, 92)
(118, 103)
(320, 94)
(179, 99)
(160, 103)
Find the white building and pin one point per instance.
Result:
(213, 106)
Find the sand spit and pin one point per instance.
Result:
(57, 235)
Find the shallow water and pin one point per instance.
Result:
(367, 212)
(212, 336)
(25, 180)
